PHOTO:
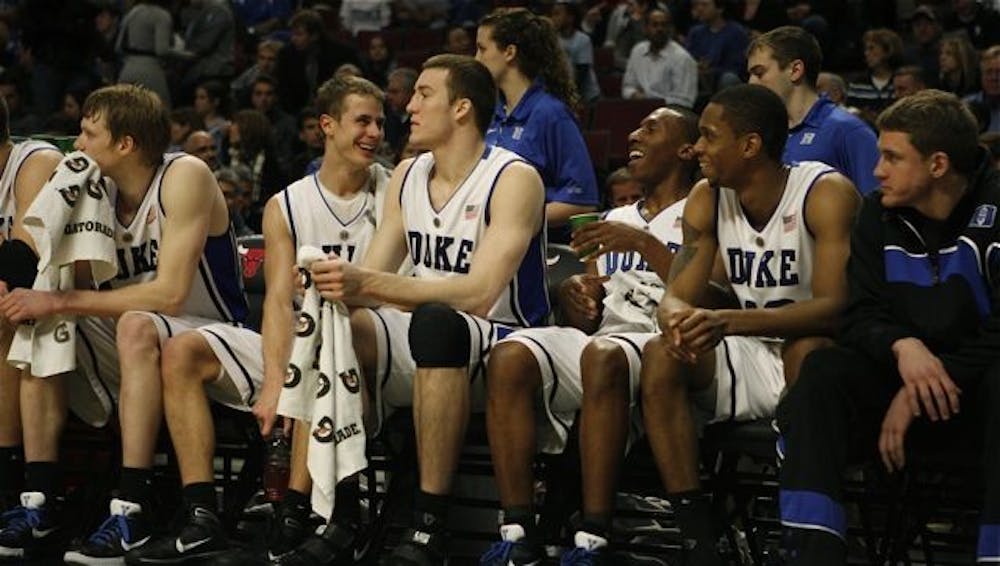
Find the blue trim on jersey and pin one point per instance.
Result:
(222, 277)
(988, 549)
(961, 261)
(493, 185)
(291, 221)
(529, 289)
(812, 510)
(805, 199)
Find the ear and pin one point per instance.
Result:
(751, 145)
(686, 152)
(796, 70)
(125, 145)
(510, 53)
(939, 164)
(326, 124)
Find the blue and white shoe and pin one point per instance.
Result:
(512, 550)
(29, 529)
(122, 531)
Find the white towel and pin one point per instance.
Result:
(71, 220)
(325, 391)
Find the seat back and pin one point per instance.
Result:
(251, 249)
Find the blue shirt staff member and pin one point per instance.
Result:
(787, 60)
(534, 117)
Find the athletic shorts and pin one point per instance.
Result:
(749, 378)
(557, 351)
(92, 390)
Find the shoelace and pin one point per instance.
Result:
(498, 553)
(578, 557)
(22, 519)
(114, 527)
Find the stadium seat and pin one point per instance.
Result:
(619, 117)
(604, 60)
(414, 58)
(610, 83)
(251, 249)
(430, 39)
(598, 144)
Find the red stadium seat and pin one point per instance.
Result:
(620, 117)
(598, 144)
(604, 60)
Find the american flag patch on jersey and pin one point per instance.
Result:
(789, 223)
(471, 210)
(678, 222)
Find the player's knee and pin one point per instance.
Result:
(439, 337)
(604, 368)
(795, 352)
(187, 357)
(512, 367)
(136, 334)
(661, 372)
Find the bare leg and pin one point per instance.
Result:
(513, 382)
(441, 414)
(10, 400)
(795, 351)
(43, 416)
(140, 403)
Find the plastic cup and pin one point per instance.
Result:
(578, 221)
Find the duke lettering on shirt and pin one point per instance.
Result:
(137, 260)
(757, 268)
(440, 253)
(340, 250)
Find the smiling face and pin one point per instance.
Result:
(356, 135)
(718, 148)
(655, 146)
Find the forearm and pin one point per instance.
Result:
(276, 336)
(558, 213)
(149, 297)
(815, 317)
(461, 293)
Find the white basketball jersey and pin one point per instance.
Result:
(634, 290)
(312, 220)
(442, 242)
(8, 203)
(217, 288)
(774, 266)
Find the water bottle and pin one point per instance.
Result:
(276, 466)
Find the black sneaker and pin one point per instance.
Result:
(29, 529)
(121, 532)
(513, 550)
(338, 544)
(588, 550)
(418, 548)
(289, 528)
(201, 537)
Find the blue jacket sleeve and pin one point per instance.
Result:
(568, 161)
(860, 147)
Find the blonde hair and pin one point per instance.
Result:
(133, 111)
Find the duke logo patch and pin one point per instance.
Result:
(984, 216)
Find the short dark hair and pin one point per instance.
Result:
(689, 123)
(307, 113)
(331, 95)
(915, 71)
(936, 121)
(309, 20)
(468, 78)
(754, 109)
(790, 43)
(133, 111)
(266, 79)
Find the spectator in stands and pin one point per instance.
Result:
(591, 367)
(925, 48)
(378, 61)
(534, 116)
(365, 15)
(22, 121)
(266, 63)
(183, 121)
(144, 44)
(907, 80)
(628, 26)
(178, 269)
(209, 43)
(308, 60)
(979, 22)
(578, 49)
(349, 70)
(991, 141)
(833, 87)
(900, 366)
(67, 121)
(107, 22)
(232, 185)
(201, 144)
(659, 67)
(397, 96)
(251, 144)
(718, 45)
(787, 60)
(457, 41)
(265, 100)
(212, 105)
(431, 14)
(311, 140)
(262, 17)
(457, 306)
(808, 14)
(760, 16)
(989, 96)
(958, 65)
(883, 54)
(623, 190)
(804, 211)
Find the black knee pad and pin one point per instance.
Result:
(439, 337)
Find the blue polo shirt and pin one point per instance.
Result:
(838, 138)
(542, 130)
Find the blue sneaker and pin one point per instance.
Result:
(512, 550)
(124, 530)
(28, 529)
(589, 550)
